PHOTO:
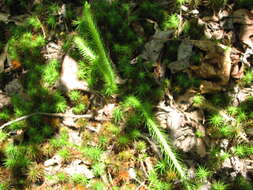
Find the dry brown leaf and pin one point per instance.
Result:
(200, 147)
(216, 63)
(237, 71)
(244, 17)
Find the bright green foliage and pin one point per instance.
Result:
(98, 168)
(198, 99)
(141, 146)
(240, 150)
(94, 153)
(154, 130)
(161, 166)
(219, 185)
(123, 140)
(156, 184)
(216, 120)
(199, 134)
(34, 22)
(227, 130)
(50, 72)
(135, 134)
(51, 21)
(241, 116)
(100, 60)
(4, 114)
(79, 108)
(15, 157)
(3, 136)
(248, 78)
(113, 129)
(61, 140)
(171, 22)
(232, 110)
(74, 95)
(182, 1)
(79, 179)
(85, 50)
(61, 106)
(64, 153)
(98, 185)
(61, 177)
(202, 173)
(117, 115)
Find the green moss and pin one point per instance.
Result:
(79, 108)
(98, 168)
(15, 157)
(202, 173)
(171, 22)
(219, 185)
(94, 153)
(74, 95)
(216, 120)
(79, 179)
(5, 114)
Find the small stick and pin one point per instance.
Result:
(87, 116)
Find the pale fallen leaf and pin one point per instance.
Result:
(152, 49)
(69, 77)
(78, 167)
(183, 57)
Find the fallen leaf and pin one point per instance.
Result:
(216, 64)
(237, 70)
(245, 18)
(3, 57)
(183, 57)
(200, 147)
(208, 87)
(152, 49)
(69, 78)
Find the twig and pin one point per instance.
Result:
(88, 116)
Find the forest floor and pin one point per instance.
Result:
(128, 95)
